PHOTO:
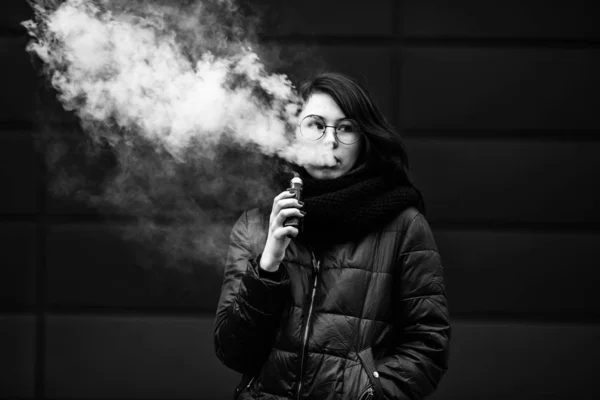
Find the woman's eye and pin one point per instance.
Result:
(345, 128)
(316, 124)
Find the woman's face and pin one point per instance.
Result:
(345, 155)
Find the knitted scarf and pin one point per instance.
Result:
(351, 206)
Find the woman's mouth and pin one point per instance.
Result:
(328, 165)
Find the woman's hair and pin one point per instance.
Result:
(384, 149)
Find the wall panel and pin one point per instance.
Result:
(500, 18)
(522, 274)
(507, 181)
(500, 88)
(326, 17)
(17, 79)
(17, 360)
(19, 255)
(523, 361)
(18, 173)
(93, 265)
(134, 358)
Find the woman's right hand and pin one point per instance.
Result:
(285, 206)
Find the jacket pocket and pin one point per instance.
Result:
(368, 362)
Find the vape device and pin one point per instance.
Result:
(296, 187)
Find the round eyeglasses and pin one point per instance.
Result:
(313, 127)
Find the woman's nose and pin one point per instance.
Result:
(329, 138)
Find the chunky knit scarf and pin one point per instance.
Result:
(349, 207)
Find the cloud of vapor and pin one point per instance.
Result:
(173, 95)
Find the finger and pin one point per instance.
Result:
(288, 213)
(284, 195)
(285, 232)
(281, 196)
(286, 203)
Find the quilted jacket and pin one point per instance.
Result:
(361, 320)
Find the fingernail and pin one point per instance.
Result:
(301, 203)
(292, 191)
(302, 212)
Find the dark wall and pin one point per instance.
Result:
(498, 102)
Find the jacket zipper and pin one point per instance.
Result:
(316, 265)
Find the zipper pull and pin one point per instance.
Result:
(316, 263)
(313, 256)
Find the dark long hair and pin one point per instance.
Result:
(384, 149)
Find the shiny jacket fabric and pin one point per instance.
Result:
(366, 319)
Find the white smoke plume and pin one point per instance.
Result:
(175, 93)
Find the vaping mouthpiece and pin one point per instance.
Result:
(296, 180)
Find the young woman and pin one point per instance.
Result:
(353, 306)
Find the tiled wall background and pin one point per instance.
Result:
(499, 102)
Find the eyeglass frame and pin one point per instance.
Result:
(335, 133)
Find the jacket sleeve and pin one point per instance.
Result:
(421, 351)
(250, 305)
